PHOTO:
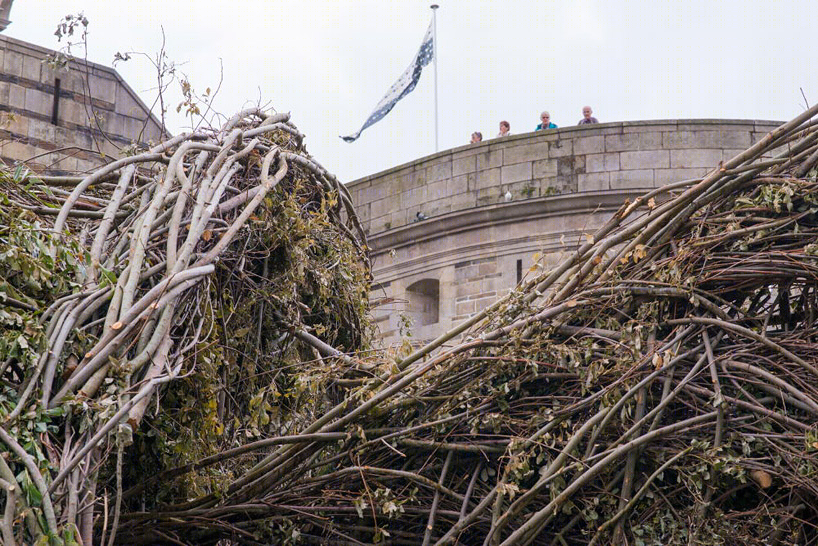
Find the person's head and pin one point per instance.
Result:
(476, 137)
(586, 112)
(504, 126)
(545, 117)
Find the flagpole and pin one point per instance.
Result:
(434, 32)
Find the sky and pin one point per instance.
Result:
(328, 63)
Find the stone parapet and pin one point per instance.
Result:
(607, 156)
(474, 246)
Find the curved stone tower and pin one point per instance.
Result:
(447, 241)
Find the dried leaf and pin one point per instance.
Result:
(762, 478)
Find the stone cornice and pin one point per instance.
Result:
(499, 214)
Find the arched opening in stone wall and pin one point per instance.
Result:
(423, 301)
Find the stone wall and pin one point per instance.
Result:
(51, 115)
(607, 156)
(474, 246)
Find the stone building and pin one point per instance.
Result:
(474, 246)
(67, 119)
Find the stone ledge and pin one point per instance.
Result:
(498, 214)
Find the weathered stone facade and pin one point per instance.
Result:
(475, 247)
(64, 118)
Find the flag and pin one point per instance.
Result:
(405, 84)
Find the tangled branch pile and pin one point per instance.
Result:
(658, 387)
(194, 275)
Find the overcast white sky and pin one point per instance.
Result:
(330, 62)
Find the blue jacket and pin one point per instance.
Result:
(550, 126)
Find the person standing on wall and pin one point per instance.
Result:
(586, 116)
(545, 117)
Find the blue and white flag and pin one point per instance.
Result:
(405, 84)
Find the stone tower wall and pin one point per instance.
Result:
(474, 246)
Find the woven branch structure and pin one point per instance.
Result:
(660, 386)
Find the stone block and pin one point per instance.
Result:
(519, 190)
(100, 118)
(16, 124)
(649, 127)
(695, 158)
(466, 289)
(17, 96)
(466, 272)
(436, 208)
(65, 137)
(489, 159)
(72, 112)
(109, 149)
(126, 104)
(602, 162)
(654, 159)
(734, 139)
(466, 200)
(487, 268)
(464, 308)
(464, 165)
(633, 141)
(153, 132)
(669, 176)
(41, 130)
(544, 168)
(62, 163)
(489, 196)
(103, 89)
(379, 225)
(466, 151)
(399, 218)
(418, 178)
(642, 178)
(39, 102)
(74, 81)
(31, 69)
(13, 63)
(692, 139)
(383, 207)
(525, 152)
(362, 210)
(490, 285)
(579, 164)
(589, 145)
(561, 148)
(437, 190)
(727, 155)
(459, 184)
(439, 171)
(127, 127)
(4, 91)
(716, 125)
(17, 150)
(562, 184)
(487, 178)
(483, 303)
(516, 172)
(565, 166)
(48, 74)
(413, 198)
(593, 181)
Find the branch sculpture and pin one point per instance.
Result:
(206, 376)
